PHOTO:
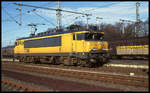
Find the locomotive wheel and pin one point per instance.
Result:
(24, 59)
(28, 59)
(102, 60)
(83, 63)
(57, 61)
(20, 59)
(74, 61)
(66, 61)
(51, 60)
(37, 60)
(92, 63)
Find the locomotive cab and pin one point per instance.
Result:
(95, 42)
(92, 41)
(90, 45)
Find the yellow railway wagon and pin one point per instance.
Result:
(132, 50)
(70, 48)
(137, 51)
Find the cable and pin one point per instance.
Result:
(7, 20)
(47, 3)
(6, 5)
(98, 7)
(42, 17)
(71, 22)
(67, 15)
(10, 15)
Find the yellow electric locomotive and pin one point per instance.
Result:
(85, 48)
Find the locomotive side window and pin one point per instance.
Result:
(17, 43)
(73, 36)
(80, 36)
(22, 43)
(45, 42)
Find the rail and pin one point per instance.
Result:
(19, 86)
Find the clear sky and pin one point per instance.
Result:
(110, 11)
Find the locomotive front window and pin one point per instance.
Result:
(81, 36)
(93, 36)
(90, 36)
(15, 43)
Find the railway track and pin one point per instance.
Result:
(111, 67)
(8, 85)
(83, 74)
(53, 83)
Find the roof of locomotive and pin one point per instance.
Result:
(55, 33)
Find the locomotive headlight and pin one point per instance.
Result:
(103, 48)
(83, 53)
(88, 43)
(94, 49)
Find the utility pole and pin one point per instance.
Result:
(10, 42)
(137, 19)
(58, 15)
(87, 21)
(20, 15)
(87, 15)
(123, 21)
(99, 21)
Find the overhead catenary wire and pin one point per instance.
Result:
(8, 3)
(58, 10)
(72, 21)
(48, 8)
(10, 20)
(98, 7)
(125, 21)
(49, 3)
(42, 17)
(10, 16)
(68, 15)
(13, 18)
(83, 5)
